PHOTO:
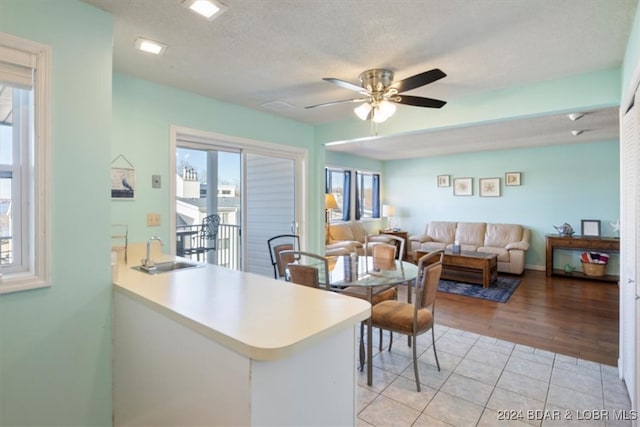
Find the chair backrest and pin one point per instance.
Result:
(277, 244)
(429, 271)
(373, 240)
(304, 275)
(209, 228)
(384, 251)
(319, 263)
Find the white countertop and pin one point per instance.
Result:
(256, 316)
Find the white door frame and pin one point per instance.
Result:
(212, 140)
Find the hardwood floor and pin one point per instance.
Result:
(564, 315)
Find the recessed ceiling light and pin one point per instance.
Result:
(207, 8)
(576, 132)
(575, 116)
(150, 46)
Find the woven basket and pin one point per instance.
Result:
(593, 269)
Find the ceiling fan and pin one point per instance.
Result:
(380, 92)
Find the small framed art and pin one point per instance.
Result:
(512, 178)
(489, 187)
(443, 181)
(463, 186)
(590, 227)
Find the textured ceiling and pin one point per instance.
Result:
(277, 51)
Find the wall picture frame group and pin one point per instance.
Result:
(463, 186)
(444, 181)
(489, 187)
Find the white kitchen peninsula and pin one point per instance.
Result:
(211, 346)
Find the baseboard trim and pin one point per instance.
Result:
(535, 267)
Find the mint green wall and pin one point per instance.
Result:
(142, 115)
(560, 184)
(576, 93)
(55, 343)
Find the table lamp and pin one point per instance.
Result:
(387, 212)
(329, 203)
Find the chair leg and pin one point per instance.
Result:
(415, 364)
(362, 346)
(380, 343)
(433, 343)
(390, 339)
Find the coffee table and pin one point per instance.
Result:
(468, 266)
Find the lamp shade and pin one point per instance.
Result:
(330, 201)
(388, 210)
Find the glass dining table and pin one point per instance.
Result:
(374, 276)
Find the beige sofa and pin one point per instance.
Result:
(345, 238)
(508, 241)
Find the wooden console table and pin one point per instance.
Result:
(579, 243)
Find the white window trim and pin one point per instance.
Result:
(39, 271)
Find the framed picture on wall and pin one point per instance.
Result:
(590, 227)
(443, 181)
(463, 186)
(512, 178)
(123, 179)
(489, 187)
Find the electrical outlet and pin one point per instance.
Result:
(153, 220)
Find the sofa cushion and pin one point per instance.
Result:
(442, 231)
(503, 254)
(499, 235)
(341, 232)
(470, 234)
(358, 230)
(432, 246)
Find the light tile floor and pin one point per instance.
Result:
(484, 381)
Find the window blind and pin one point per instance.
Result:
(16, 67)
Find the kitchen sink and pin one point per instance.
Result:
(168, 266)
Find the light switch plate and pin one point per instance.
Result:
(155, 181)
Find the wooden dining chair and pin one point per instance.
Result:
(277, 244)
(417, 318)
(308, 269)
(373, 240)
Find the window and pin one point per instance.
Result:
(363, 201)
(24, 164)
(335, 184)
(367, 195)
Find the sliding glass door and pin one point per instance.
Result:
(254, 187)
(208, 183)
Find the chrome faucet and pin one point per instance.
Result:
(148, 262)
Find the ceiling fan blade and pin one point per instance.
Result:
(418, 80)
(338, 102)
(418, 101)
(343, 84)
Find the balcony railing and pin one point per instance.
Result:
(6, 252)
(228, 250)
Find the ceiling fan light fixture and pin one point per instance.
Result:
(383, 111)
(363, 110)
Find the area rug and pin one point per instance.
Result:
(499, 291)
